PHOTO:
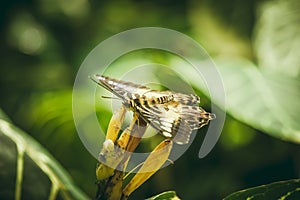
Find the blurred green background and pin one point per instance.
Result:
(255, 45)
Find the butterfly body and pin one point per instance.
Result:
(174, 115)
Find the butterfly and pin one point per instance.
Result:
(174, 115)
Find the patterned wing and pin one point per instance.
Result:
(129, 91)
(174, 120)
(166, 121)
(195, 116)
(185, 99)
(174, 115)
(122, 89)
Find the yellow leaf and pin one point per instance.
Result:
(153, 163)
(115, 124)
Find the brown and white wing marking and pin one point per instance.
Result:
(174, 115)
(128, 91)
(185, 99)
(195, 116)
(174, 120)
(122, 89)
(167, 121)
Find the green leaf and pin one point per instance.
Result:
(265, 101)
(279, 190)
(28, 171)
(268, 102)
(169, 195)
(278, 37)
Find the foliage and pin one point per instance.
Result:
(254, 44)
(37, 174)
(278, 190)
(259, 94)
(170, 195)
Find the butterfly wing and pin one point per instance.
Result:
(185, 99)
(128, 90)
(174, 115)
(122, 89)
(167, 121)
(196, 117)
(175, 120)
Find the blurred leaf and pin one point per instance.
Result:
(277, 41)
(280, 190)
(3, 116)
(235, 134)
(218, 31)
(265, 101)
(49, 118)
(169, 195)
(51, 114)
(26, 34)
(28, 171)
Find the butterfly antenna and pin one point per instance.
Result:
(93, 79)
(106, 97)
(96, 81)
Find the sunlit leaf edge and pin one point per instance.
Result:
(58, 176)
(276, 190)
(168, 195)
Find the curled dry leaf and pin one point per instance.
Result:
(153, 163)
